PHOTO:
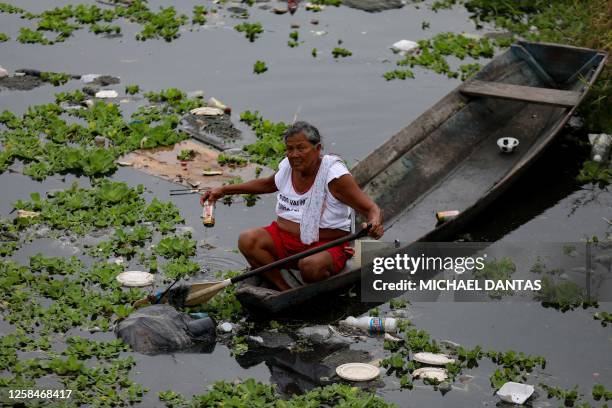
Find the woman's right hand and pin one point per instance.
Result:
(212, 195)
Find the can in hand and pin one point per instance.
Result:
(208, 214)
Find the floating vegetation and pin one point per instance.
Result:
(265, 396)
(335, 3)
(199, 15)
(250, 30)
(314, 53)
(231, 160)
(568, 397)
(186, 155)
(4, 37)
(604, 317)
(497, 271)
(513, 366)
(595, 172)
(341, 52)
(259, 67)
(132, 89)
(294, 36)
(63, 21)
(600, 392)
(67, 146)
(398, 74)
(55, 78)
(433, 54)
(269, 149)
(109, 204)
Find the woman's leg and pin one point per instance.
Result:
(257, 246)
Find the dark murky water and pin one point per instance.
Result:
(356, 110)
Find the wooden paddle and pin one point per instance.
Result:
(202, 292)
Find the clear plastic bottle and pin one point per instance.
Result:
(371, 324)
(208, 214)
(601, 144)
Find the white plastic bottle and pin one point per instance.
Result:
(371, 324)
(601, 144)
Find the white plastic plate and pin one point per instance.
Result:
(357, 371)
(135, 278)
(432, 358)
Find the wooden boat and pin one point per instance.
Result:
(448, 158)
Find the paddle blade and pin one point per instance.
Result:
(201, 293)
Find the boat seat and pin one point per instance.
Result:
(544, 96)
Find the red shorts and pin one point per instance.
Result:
(287, 244)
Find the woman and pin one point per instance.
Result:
(314, 201)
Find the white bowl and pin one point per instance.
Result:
(507, 144)
(516, 393)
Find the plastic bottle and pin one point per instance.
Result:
(371, 324)
(601, 144)
(208, 214)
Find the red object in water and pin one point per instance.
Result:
(292, 6)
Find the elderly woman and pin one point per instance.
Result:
(314, 201)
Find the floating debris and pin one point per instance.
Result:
(3, 72)
(358, 371)
(206, 111)
(212, 173)
(433, 358)
(27, 214)
(225, 327)
(516, 393)
(431, 373)
(601, 144)
(404, 47)
(107, 94)
(277, 10)
(136, 278)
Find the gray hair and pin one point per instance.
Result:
(311, 132)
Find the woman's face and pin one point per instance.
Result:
(302, 154)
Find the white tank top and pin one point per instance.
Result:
(289, 203)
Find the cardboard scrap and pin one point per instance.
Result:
(203, 171)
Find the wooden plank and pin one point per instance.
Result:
(544, 96)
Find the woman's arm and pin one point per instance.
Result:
(346, 190)
(257, 186)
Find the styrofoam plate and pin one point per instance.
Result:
(432, 358)
(357, 371)
(514, 392)
(433, 373)
(135, 278)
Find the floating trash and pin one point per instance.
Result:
(405, 47)
(225, 327)
(432, 373)
(206, 111)
(516, 393)
(89, 78)
(27, 214)
(432, 358)
(358, 371)
(136, 278)
(277, 10)
(107, 94)
(212, 173)
(3, 72)
(507, 144)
